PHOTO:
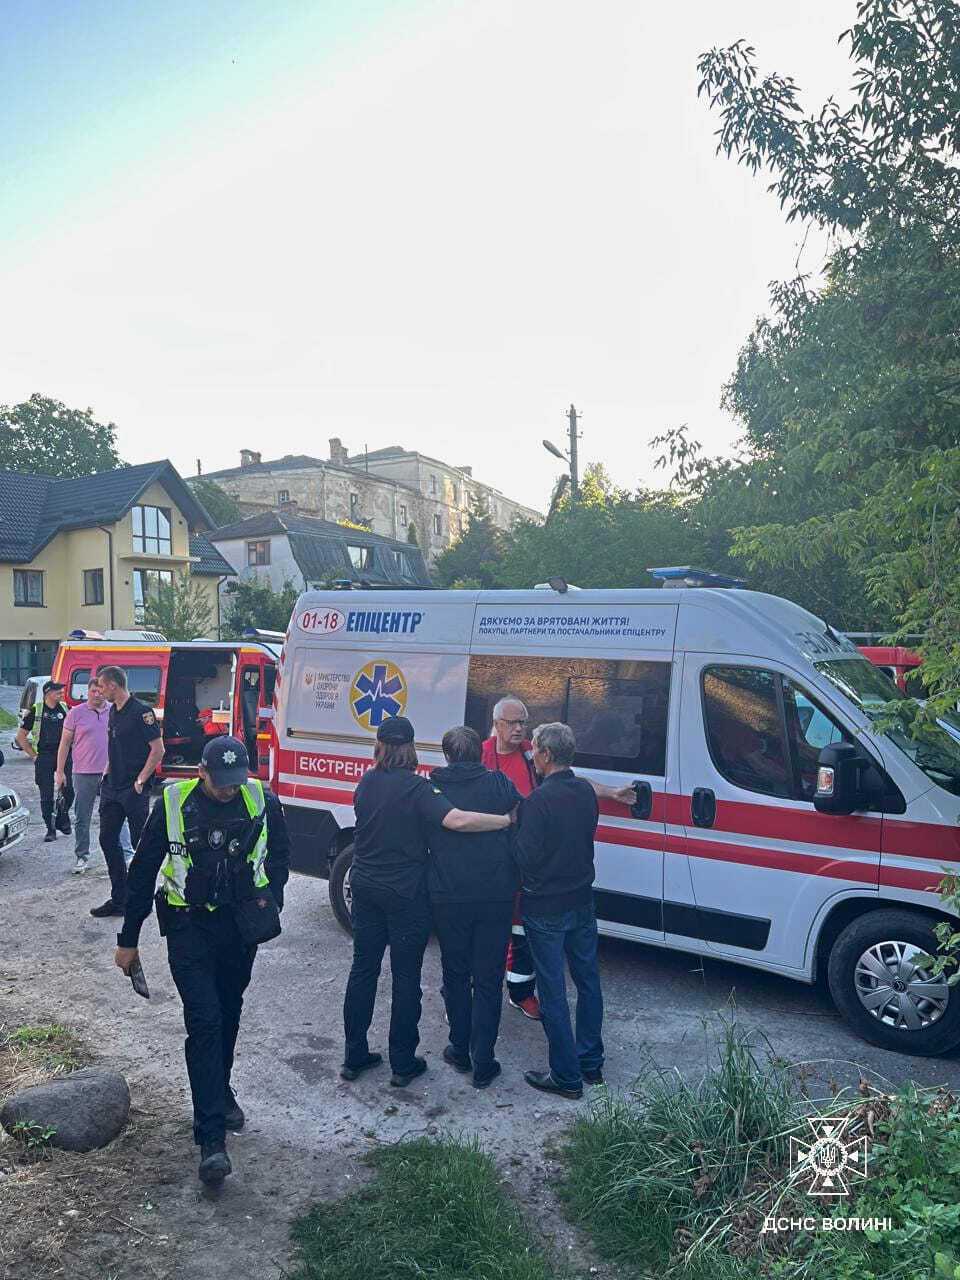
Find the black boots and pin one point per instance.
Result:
(51, 832)
(214, 1162)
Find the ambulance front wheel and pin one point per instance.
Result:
(339, 887)
(880, 985)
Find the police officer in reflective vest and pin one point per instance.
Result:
(39, 736)
(219, 845)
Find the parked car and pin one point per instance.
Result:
(14, 818)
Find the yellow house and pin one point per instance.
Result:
(90, 552)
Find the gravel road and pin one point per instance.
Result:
(306, 1127)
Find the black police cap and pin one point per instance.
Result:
(226, 761)
(397, 730)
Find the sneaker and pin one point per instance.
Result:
(488, 1077)
(529, 1006)
(348, 1072)
(214, 1162)
(592, 1077)
(545, 1082)
(80, 867)
(401, 1080)
(108, 908)
(459, 1061)
(233, 1118)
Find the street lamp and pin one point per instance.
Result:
(571, 458)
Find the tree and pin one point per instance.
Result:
(850, 394)
(220, 506)
(475, 557)
(412, 534)
(43, 437)
(252, 604)
(181, 611)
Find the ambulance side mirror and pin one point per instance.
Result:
(839, 785)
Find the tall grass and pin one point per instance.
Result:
(434, 1210)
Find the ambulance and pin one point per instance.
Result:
(775, 824)
(196, 688)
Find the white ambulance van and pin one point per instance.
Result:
(726, 707)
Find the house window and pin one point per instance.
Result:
(28, 587)
(456, 495)
(258, 552)
(403, 513)
(361, 557)
(93, 586)
(283, 496)
(146, 589)
(151, 531)
(354, 503)
(438, 524)
(433, 484)
(403, 564)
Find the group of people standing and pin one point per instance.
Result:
(495, 851)
(106, 747)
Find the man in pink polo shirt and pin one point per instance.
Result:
(85, 732)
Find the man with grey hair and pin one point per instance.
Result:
(509, 751)
(555, 855)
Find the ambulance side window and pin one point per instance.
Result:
(78, 684)
(741, 712)
(144, 683)
(619, 723)
(809, 729)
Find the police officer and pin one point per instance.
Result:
(220, 846)
(39, 737)
(134, 749)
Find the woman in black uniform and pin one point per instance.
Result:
(395, 808)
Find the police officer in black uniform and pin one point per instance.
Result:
(220, 847)
(134, 749)
(41, 741)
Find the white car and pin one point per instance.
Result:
(13, 818)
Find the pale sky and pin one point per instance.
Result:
(421, 222)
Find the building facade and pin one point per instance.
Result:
(90, 552)
(389, 491)
(279, 547)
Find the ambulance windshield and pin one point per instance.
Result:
(869, 688)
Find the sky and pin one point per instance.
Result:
(264, 223)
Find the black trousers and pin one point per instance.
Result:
(382, 918)
(44, 767)
(473, 946)
(211, 966)
(117, 807)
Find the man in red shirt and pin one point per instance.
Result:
(510, 751)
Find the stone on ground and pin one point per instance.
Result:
(85, 1110)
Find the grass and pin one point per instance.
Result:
(7, 721)
(41, 1050)
(677, 1180)
(434, 1210)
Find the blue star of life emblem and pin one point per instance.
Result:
(379, 692)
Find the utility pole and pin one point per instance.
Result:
(573, 417)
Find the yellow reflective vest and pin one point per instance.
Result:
(178, 861)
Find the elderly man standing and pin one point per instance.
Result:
(85, 735)
(509, 751)
(555, 855)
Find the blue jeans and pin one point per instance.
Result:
(571, 936)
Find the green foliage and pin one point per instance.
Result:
(181, 611)
(608, 538)
(220, 506)
(35, 1138)
(43, 437)
(677, 1180)
(412, 534)
(434, 1209)
(475, 556)
(889, 156)
(252, 603)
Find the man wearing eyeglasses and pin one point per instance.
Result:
(509, 750)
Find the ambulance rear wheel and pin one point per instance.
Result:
(882, 990)
(339, 887)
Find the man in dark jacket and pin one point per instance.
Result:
(472, 881)
(555, 854)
